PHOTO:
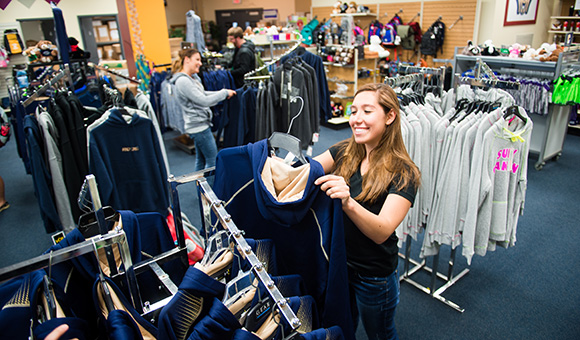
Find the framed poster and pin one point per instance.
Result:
(520, 12)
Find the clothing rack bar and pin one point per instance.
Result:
(406, 79)
(257, 77)
(480, 66)
(486, 83)
(161, 65)
(274, 61)
(65, 254)
(136, 81)
(43, 89)
(226, 221)
(435, 71)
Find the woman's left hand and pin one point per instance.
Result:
(335, 187)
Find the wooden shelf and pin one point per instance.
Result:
(565, 18)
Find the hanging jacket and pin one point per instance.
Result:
(307, 229)
(116, 146)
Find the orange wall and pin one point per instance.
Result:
(154, 35)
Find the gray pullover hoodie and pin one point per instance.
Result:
(196, 101)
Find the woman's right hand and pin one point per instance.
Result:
(231, 93)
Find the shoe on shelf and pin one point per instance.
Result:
(4, 206)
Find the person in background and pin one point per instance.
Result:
(196, 103)
(376, 181)
(244, 56)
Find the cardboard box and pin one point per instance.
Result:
(108, 52)
(114, 34)
(112, 24)
(102, 33)
(100, 53)
(117, 48)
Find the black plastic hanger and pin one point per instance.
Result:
(88, 225)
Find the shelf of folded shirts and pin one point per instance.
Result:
(563, 32)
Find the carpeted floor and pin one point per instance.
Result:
(529, 291)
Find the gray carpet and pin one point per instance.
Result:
(525, 292)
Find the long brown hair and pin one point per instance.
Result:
(178, 63)
(387, 161)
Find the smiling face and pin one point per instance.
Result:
(368, 119)
(192, 64)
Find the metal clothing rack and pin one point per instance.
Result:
(210, 202)
(44, 87)
(136, 81)
(105, 240)
(275, 60)
(407, 80)
(450, 279)
(425, 71)
(486, 83)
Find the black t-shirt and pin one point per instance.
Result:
(363, 254)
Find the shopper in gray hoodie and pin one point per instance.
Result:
(196, 102)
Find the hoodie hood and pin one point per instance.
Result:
(284, 193)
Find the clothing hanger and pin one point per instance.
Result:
(514, 110)
(48, 311)
(88, 225)
(240, 292)
(280, 140)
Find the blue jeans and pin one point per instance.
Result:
(205, 149)
(375, 300)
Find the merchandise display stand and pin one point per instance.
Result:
(549, 129)
(209, 203)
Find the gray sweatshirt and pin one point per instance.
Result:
(493, 211)
(196, 101)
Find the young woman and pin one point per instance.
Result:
(376, 180)
(196, 103)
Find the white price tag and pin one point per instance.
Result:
(315, 137)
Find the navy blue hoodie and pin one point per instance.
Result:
(308, 233)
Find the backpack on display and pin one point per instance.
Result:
(388, 34)
(5, 128)
(432, 39)
(13, 42)
(407, 35)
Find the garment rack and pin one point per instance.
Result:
(434, 71)
(133, 80)
(406, 80)
(105, 241)
(43, 89)
(210, 202)
(449, 279)
(274, 61)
